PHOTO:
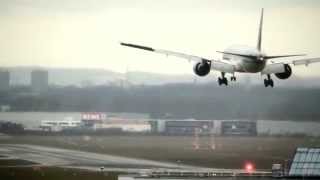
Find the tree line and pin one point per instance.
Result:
(201, 101)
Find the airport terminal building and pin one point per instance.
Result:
(205, 127)
(133, 122)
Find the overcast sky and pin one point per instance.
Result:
(86, 33)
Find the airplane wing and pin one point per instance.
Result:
(305, 61)
(215, 64)
(166, 52)
(278, 67)
(298, 62)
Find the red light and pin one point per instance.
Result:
(249, 167)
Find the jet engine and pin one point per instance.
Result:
(286, 74)
(201, 68)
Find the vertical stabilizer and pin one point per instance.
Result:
(260, 31)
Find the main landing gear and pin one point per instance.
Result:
(223, 80)
(233, 78)
(268, 81)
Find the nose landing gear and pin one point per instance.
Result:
(268, 81)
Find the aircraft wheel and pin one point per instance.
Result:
(225, 81)
(271, 82)
(222, 81)
(219, 81)
(266, 84)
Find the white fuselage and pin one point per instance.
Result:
(242, 63)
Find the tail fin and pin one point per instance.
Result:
(260, 31)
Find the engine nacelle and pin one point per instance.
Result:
(201, 68)
(286, 74)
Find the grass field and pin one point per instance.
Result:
(14, 162)
(230, 152)
(50, 173)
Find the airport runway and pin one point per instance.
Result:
(48, 156)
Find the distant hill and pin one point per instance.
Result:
(65, 76)
(89, 77)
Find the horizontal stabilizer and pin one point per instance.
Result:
(237, 54)
(264, 57)
(283, 56)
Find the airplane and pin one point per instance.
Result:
(240, 59)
